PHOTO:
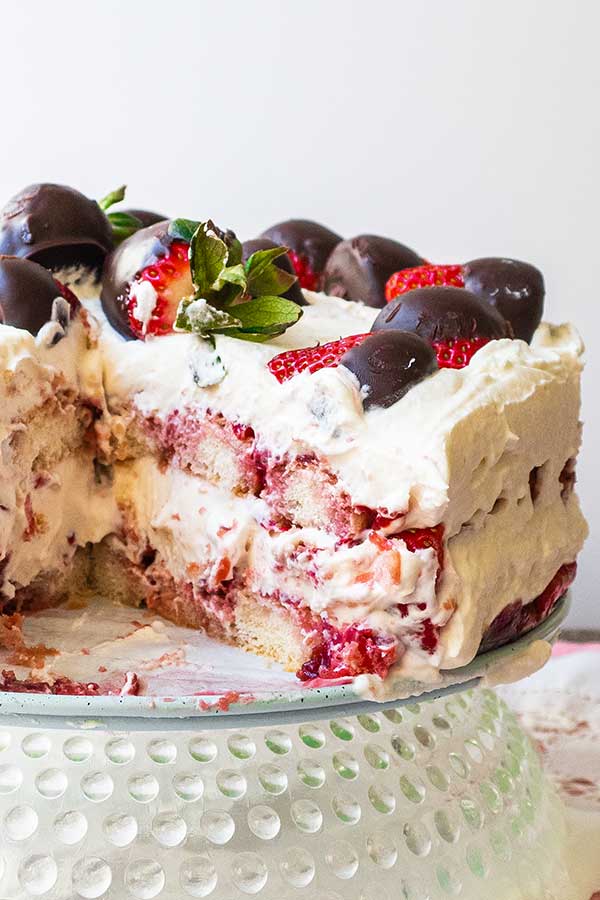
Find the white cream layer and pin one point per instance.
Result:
(32, 370)
(67, 506)
(200, 531)
(70, 510)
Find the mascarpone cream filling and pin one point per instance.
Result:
(197, 528)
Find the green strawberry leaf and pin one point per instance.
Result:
(183, 229)
(247, 336)
(199, 317)
(221, 281)
(235, 249)
(256, 320)
(112, 198)
(267, 315)
(229, 287)
(234, 275)
(123, 225)
(208, 257)
(265, 276)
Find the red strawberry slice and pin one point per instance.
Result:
(457, 354)
(307, 279)
(157, 290)
(423, 276)
(285, 365)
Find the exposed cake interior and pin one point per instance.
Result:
(282, 517)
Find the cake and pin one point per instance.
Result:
(328, 452)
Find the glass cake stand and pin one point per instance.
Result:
(321, 796)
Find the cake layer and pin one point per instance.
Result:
(202, 556)
(50, 500)
(49, 517)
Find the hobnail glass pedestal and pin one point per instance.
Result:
(427, 800)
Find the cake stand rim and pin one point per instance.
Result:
(146, 713)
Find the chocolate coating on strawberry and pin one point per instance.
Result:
(388, 364)
(138, 252)
(515, 288)
(359, 268)
(442, 314)
(294, 293)
(310, 244)
(27, 293)
(56, 226)
(146, 216)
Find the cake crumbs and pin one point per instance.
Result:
(11, 638)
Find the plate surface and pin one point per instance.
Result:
(270, 692)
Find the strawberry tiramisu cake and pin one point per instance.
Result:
(330, 452)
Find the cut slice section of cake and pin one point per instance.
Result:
(53, 500)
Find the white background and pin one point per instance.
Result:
(461, 128)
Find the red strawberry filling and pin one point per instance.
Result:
(518, 618)
(69, 296)
(63, 686)
(422, 538)
(353, 650)
(347, 652)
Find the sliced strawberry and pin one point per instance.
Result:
(307, 278)
(157, 290)
(423, 276)
(291, 362)
(457, 354)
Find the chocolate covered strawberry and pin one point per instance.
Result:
(309, 245)
(358, 268)
(144, 280)
(28, 294)
(514, 288)
(386, 365)
(156, 292)
(453, 320)
(181, 275)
